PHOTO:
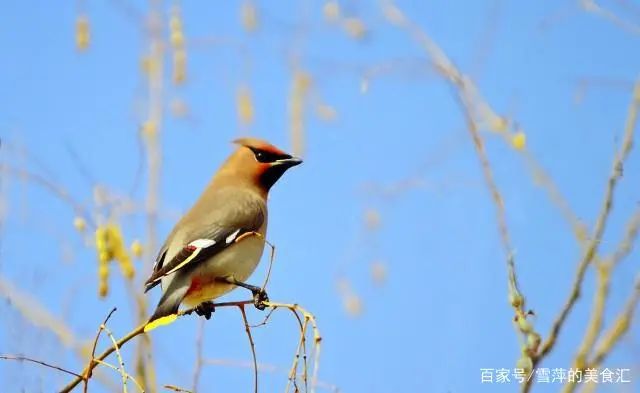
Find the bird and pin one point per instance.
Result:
(219, 242)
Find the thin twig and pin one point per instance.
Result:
(628, 241)
(317, 338)
(87, 376)
(619, 327)
(266, 318)
(119, 357)
(594, 327)
(177, 389)
(603, 283)
(272, 256)
(253, 347)
(118, 370)
(26, 359)
(594, 8)
(136, 332)
(37, 314)
(301, 348)
(598, 231)
(197, 368)
(55, 189)
(473, 106)
(34, 312)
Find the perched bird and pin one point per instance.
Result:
(219, 241)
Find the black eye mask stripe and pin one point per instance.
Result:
(267, 156)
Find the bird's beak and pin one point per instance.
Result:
(289, 162)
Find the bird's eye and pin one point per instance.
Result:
(266, 156)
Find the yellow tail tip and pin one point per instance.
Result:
(166, 320)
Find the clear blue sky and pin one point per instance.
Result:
(442, 313)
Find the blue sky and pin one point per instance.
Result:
(442, 313)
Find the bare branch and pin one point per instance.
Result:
(592, 246)
(87, 376)
(26, 359)
(253, 347)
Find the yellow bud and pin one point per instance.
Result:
(175, 24)
(149, 128)
(519, 140)
(101, 240)
(83, 33)
(249, 16)
(136, 249)
(177, 39)
(80, 224)
(148, 65)
(103, 270)
(103, 289)
(302, 82)
(516, 299)
(179, 66)
(244, 105)
(378, 272)
(498, 124)
(533, 342)
(127, 270)
(331, 11)
(113, 231)
(524, 325)
(372, 219)
(104, 256)
(525, 363)
(354, 27)
(353, 305)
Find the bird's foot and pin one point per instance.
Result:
(259, 298)
(205, 309)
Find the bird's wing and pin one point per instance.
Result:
(219, 228)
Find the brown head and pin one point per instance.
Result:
(256, 162)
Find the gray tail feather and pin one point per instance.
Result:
(169, 303)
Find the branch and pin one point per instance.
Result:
(605, 209)
(87, 376)
(26, 359)
(253, 348)
(596, 9)
(595, 323)
(140, 330)
(603, 277)
(122, 372)
(32, 311)
(198, 366)
(620, 326)
(308, 318)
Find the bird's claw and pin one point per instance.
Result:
(205, 309)
(259, 298)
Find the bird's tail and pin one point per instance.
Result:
(167, 308)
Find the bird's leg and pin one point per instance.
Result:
(259, 294)
(205, 309)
